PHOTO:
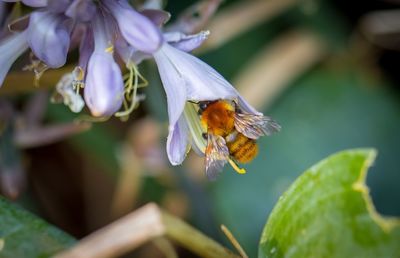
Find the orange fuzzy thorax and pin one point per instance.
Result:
(219, 118)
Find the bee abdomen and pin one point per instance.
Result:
(242, 148)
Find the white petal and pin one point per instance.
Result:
(174, 86)
(185, 42)
(178, 142)
(202, 81)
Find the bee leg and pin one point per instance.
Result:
(236, 167)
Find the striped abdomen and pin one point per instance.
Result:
(241, 148)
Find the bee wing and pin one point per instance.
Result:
(217, 155)
(254, 126)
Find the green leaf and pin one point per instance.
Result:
(327, 212)
(24, 235)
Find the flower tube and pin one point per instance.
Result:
(104, 85)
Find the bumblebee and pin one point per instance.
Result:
(231, 134)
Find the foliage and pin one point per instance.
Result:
(327, 212)
(24, 235)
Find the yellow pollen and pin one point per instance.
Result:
(79, 76)
(236, 168)
(110, 49)
(79, 73)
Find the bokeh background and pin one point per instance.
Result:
(327, 71)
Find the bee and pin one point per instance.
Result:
(231, 134)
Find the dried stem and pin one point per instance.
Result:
(129, 183)
(18, 82)
(139, 227)
(194, 240)
(234, 242)
(34, 137)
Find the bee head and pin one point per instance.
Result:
(203, 105)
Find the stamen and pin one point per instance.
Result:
(78, 77)
(67, 90)
(37, 67)
(131, 99)
(236, 167)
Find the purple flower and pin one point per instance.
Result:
(104, 87)
(81, 10)
(188, 80)
(49, 38)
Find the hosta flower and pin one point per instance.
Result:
(104, 85)
(49, 37)
(107, 29)
(188, 80)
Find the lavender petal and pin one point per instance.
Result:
(137, 30)
(48, 38)
(104, 86)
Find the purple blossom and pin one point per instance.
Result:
(104, 86)
(49, 38)
(187, 78)
(108, 29)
